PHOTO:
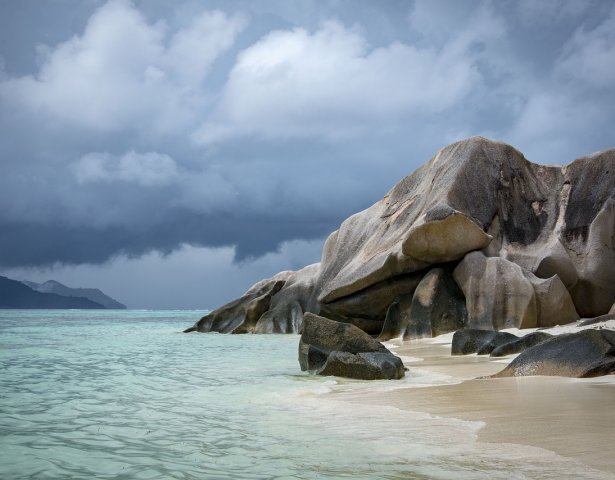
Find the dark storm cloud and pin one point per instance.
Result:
(131, 127)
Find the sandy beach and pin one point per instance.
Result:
(572, 417)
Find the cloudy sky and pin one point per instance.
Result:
(173, 153)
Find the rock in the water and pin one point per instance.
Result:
(612, 310)
(328, 347)
(500, 294)
(520, 344)
(363, 366)
(479, 341)
(588, 353)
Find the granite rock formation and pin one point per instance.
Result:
(588, 353)
(328, 348)
(529, 245)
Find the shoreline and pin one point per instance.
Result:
(570, 417)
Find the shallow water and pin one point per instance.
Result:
(124, 395)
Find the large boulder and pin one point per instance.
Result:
(588, 353)
(500, 294)
(545, 232)
(328, 347)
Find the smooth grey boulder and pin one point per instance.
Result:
(363, 366)
(549, 229)
(520, 345)
(479, 341)
(588, 353)
(612, 310)
(500, 294)
(327, 347)
(480, 194)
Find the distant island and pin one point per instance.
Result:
(52, 294)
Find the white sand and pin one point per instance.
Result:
(571, 417)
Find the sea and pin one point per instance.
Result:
(125, 395)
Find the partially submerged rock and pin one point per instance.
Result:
(328, 347)
(588, 353)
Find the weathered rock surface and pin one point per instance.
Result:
(328, 347)
(479, 341)
(437, 306)
(534, 244)
(521, 344)
(287, 306)
(500, 294)
(241, 315)
(368, 308)
(588, 353)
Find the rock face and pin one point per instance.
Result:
(437, 306)
(589, 353)
(500, 294)
(529, 246)
(333, 348)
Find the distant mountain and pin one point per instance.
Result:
(94, 294)
(14, 294)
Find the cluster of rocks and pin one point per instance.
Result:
(585, 353)
(477, 238)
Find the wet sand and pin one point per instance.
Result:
(571, 417)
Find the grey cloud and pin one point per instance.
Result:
(152, 125)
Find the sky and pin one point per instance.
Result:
(174, 153)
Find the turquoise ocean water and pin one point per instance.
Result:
(125, 395)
